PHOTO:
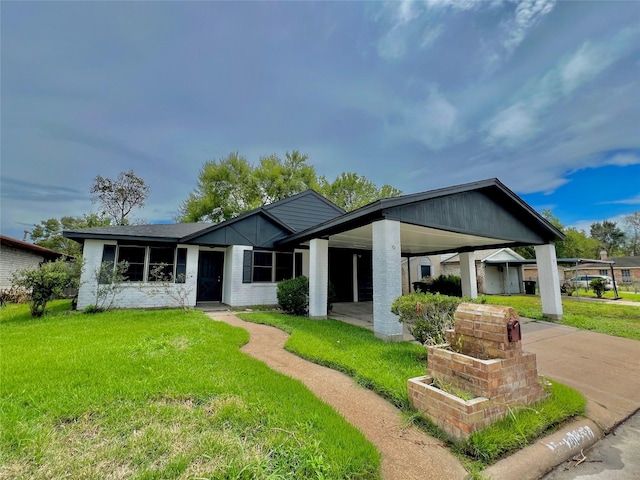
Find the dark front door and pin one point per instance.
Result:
(210, 276)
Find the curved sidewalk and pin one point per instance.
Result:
(407, 453)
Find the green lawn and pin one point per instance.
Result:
(386, 367)
(609, 318)
(158, 394)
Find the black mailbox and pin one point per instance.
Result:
(513, 330)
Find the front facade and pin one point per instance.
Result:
(239, 262)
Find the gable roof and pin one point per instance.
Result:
(47, 253)
(486, 209)
(261, 226)
(618, 262)
(492, 255)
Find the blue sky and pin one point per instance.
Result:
(544, 95)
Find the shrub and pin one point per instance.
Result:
(598, 285)
(43, 283)
(450, 285)
(428, 315)
(13, 294)
(93, 309)
(293, 295)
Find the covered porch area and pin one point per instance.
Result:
(458, 219)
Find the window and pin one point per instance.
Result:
(604, 272)
(626, 275)
(161, 264)
(181, 265)
(262, 266)
(134, 256)
(284, 266)
(148, 264)
(425, 268)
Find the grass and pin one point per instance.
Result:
(520, 427)
(385, 368)
(611, 319)
(158, 394)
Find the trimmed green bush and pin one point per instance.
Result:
(428, 315)
(293, 296)
(450, 285)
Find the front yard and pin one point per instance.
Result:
(158, 394)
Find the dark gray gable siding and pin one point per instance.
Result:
(255, 230)
(304, 210)
(473, 212)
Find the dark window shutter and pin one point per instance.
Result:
(247, 266)
(298, 264)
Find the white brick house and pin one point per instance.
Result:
(240, 261)
(19, 255)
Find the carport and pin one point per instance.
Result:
(462, 218)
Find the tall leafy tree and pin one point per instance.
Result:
(119, 197)
(608, 235)
(351, 191)
(226, 188)
(231, 186)
(48, 233)
(632, 223)
(277, 179)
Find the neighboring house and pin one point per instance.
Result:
(239, 262)
(625, 269)
(19, 255)
(498, 270)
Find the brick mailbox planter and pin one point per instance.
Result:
(484, 358)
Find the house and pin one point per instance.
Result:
(19, 255)
(625, 269)
(239, 262)
(498, 270)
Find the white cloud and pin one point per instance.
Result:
(511, 126)
(527, 14)
(432, 122)
(528, 113)
(627, 201)
(623, 160)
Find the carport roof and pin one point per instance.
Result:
(483, 214)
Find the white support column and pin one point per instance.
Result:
(318, 277)
(387, 278)
(468, 275)
(549, 281)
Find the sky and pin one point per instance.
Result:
(542, 94)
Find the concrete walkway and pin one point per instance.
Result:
(407, 453)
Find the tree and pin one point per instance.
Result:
(632, 222)
(231, 186)
(48, 233)
(226, 188)
(350, 191)
(277, 179)
(52, 278)
(608, 235)
(120, 196)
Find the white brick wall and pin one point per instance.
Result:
(137, 294)
(14, 259)
(238, 294)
